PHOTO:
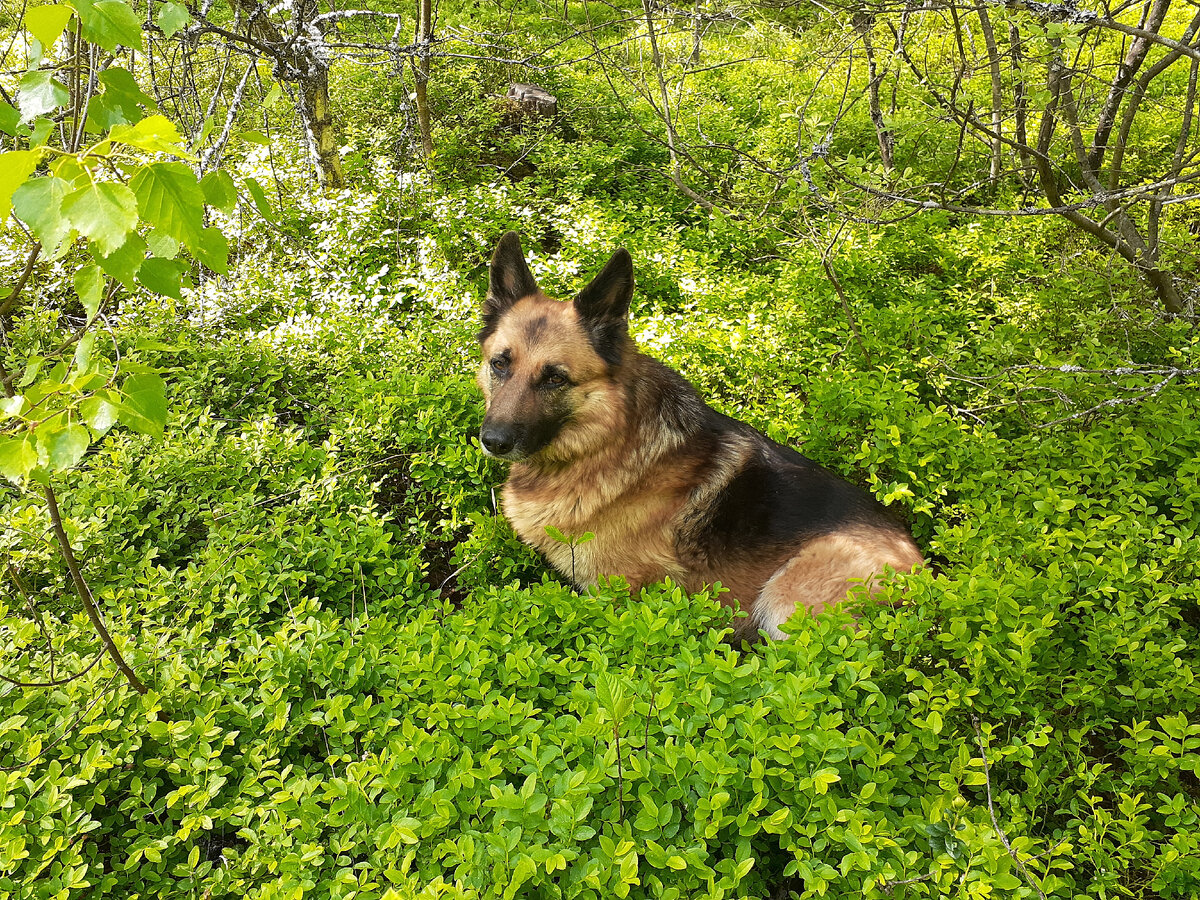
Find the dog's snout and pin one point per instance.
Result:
(498, 440)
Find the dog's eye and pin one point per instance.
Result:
(555, 379)
(500, 365)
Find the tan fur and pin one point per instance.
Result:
(826, 569)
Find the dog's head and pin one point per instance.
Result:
(548, 365)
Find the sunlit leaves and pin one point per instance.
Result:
(39, 93)
(38, 202)
(120, 103)
(10, 118)
(18, 456)
(62, 446)
(15, 167)
(213, 250)
(219, 190)
(89, 285)
(259, 196)
(145, 404)
(46, 23)
(170, 199)
(163, 276)
(162, 244)
(100, 412)
(122, 264)
(172, 17)
(109, 24)
(156, 133)
(104, 212)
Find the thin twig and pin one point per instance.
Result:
(987, 780)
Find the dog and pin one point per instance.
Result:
(605, 439)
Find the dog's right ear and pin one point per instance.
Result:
(510, 278)
(604, 305)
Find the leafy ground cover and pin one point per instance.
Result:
(361, 685)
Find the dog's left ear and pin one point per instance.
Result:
(509, 278)
(604, 304)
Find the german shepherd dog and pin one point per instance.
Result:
(605, 439)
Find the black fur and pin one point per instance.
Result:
(778, 498)
(604, 304)
(509, 279)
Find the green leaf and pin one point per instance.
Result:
(109, 23)
(12, 406)
(99, 412)
(172, 17)
(213, 251)
(83, 353)
(260, 199)
(40, 133)
(46, 23)
(525, 869)
(205, 130)
(145, 343)
(170, 198)
(63, 446)
(824, 778)
(144, 408)
(162, 244)
(10, 119)
(123, 263)
(104, 211)
(219, 190)
(32, 367)
(163, 276)
(15, 167)
(38, 93)
(121, 102)
(611, 694)
(557, 535)
(255, 137)
(89, 285)
(120, 84)
(155, 133)
(38, 203)
(103, 113)
(18, 456)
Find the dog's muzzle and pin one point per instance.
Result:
(501, 441)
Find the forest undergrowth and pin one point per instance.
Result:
(360, 684)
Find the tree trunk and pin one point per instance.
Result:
(875, 76)
(313, 102)
(989, 40)
(424, 39)
(697, 32)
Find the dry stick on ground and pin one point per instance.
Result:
(85, 593)
(987, 781)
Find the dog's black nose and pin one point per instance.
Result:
(498, 440)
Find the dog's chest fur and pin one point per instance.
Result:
(634, 519)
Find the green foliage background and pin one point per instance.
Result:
(362, 685)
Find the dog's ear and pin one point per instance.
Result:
(608, 295)
(604, 304)
(510, 278)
